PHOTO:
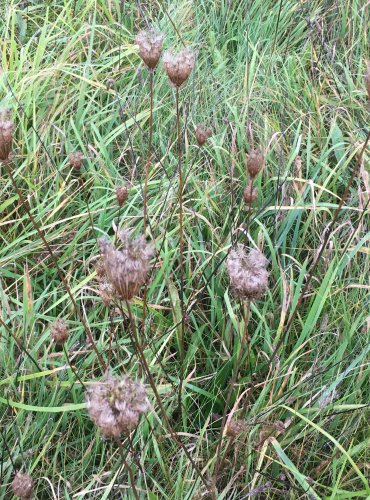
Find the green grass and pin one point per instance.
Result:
(294, 71)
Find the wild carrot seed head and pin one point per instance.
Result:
(59, 331)
(115, 405)
(250, 194)
(126, 269)
(255, 161)
(247, 273)
(6, 134)
(76, 159)
(121, 195)
(179, 67)
(22, 486)
(150, 44)
(202, 133)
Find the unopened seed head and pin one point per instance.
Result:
(202, 133)
(59, 331)
(6, 134)
(179, 67)
(76, 159)
(150, 44)
(115, 406)
(250, 194)
(255, 162)
(121, 195)
(22, 486)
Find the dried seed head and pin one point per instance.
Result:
(22, 486)
(111, 82)
(247, 273)
(202, 133)
(150, 44)
(100, 270)
(255, 161)
(126, 269)
(115, 405)
(75, 160)
(179, 67)
(106, 292)
(59, 331)
(367, 80)
(121, 195)
(250, 194)
(235, 427)
(6, 134)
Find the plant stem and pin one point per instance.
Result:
(59, 270)
(129, 470)
(181, 249)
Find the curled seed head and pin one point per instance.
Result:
(250, 194)
(247, 273)
(255, 161)
(150, 44)
(111, 82)
(121, 195)
(115, 405)
(235, 427)
(22, 486)
(179, 67)
(128, 268)
(6, 134)
(59, 331)
(367, 79)
(202, 133)
(76, 159)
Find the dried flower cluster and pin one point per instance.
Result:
(6, 134)
(115, 405)
(126, 269)
(59, 331)
(255, 161)
(76, 159)
(22, 486)
(202, 133)
(250, 194)
(235, 427)
(367, 80)
(179, 67)
(121, 195)
(247, 273)
(150, 44)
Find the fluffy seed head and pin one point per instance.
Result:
(247, 273)
(367, 79)
(179, 67)
(75, 160)
(202, 133)
(250, 194)
(150, 44)
(22, 486)
(121, 195)
(6, 134)
(59, 331)
(115, 405)
(126, 269)
(255, 161)
(235, 427)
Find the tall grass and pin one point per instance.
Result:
(293, 370)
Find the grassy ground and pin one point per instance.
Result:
(292, 72)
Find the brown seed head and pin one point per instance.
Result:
(202, 133)
(75, 160)
(106, 292)
(115, 405)
(22, 486)
(121, 195)
(255, 161)
(367, 80)
(179, 67)
(6, 134)
(235, 427)
(111, 82)
(247, 273)
(150, 44)
(126, 269)
(250, 194)
(59, 331)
